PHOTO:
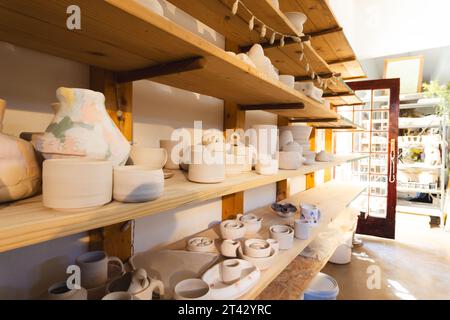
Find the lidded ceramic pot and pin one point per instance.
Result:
(82, 127)
(20, 174)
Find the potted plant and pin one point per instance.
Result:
(435, 90)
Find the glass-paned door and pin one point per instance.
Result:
(377, 139)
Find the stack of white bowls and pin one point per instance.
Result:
(263, 63)
(296, 139)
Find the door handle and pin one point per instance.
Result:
(392, 161)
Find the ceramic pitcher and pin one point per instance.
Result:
(82, 127)
(138, 284)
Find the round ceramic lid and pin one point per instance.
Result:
(323, 284)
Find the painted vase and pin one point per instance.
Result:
(82, 128)
(20, 174)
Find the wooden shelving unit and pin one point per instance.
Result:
(217, 14)
(28, 222)
(341, 124)
(128, 38)
(332, 198)
(328, 37)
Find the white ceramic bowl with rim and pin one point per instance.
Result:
(143, 156)
(284, 235)
(192, 289)
(257, 248)
(137, 183)
(76, 184)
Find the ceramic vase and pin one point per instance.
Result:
(82, 127)
(20, 175)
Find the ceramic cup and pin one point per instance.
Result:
(274, 244)
(284, 235)
(137, 183)
(153, 157)
(94, 268)
(191, 289)
(302, 228)
(310, 213)
(252, 223)
(230, 271)
(118, 296)
(257, 248)
(174, 150)
(229, 248)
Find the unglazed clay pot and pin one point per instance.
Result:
(20, 175)
(82, 128)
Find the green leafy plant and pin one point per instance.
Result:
(435, 90)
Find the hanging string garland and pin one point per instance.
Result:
(274, 34)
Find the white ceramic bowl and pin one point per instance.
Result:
(232, 229)
(252, 223)
(290, 160)
(73, 184)
(261, 263)
(298, 19)
(137, 183)
(288, 80)
(257, 248)
(192, 289)
(206, 173)
(300, 133)
(142, 156)
(284, 235)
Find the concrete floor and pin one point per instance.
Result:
(416, 266)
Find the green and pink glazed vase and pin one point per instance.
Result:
(82, 128)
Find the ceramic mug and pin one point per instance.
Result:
(302, 228)
(274, 244)
(174, 150)
(230, 271)
(229, 248)
(142, 156)
(191, 289)
(252, 223)
(94, 268)
(118, 296)
(310, 213)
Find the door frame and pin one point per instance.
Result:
(384, 227)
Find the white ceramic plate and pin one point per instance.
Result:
(261, 263)
(221, 291)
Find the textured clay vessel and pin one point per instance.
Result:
(20, 175)
(82, 128)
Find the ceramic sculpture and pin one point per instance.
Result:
(82, 128)
(20, 175)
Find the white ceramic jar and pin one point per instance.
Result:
(72, 184)
(137, 183)
(290, 160)
(153, 157)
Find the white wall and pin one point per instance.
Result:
(377, 28)
(28, 81)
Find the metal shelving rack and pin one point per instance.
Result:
(439, 189)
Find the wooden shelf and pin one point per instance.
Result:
(125, 36)
(28, 222)
(302, 270)
(342, 123)
(332, 198)
(328, 38)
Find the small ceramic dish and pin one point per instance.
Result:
(250, 275)
(261, 263)
(286, 210)
(201, 244)
(257, 248)
(192, 289)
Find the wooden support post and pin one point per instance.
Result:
(116, 240)
(283, 185)
(310, 178)
(233, 118)
(328, 148)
